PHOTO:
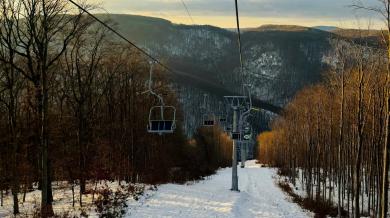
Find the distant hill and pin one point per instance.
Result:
(355, 33)
(326, 28)
(284, 28)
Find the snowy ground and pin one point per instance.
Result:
(259, 197)
(62, 203)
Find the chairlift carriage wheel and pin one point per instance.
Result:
(247, 137)
(158, 124)
(247, 132)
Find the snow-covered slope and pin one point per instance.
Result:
(259, 197)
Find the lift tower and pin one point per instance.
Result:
(238, 105)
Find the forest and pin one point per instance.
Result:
(72, 108)
(332, 138)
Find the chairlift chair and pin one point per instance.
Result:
(159, 124)
(208, 120)
(223, 123)
(162, 119)
(228, 129)
(222, 117)
(236, 135)
(222, 120)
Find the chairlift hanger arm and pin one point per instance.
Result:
(246, 114)
(150, 86)
(250, 102)
(204, 106)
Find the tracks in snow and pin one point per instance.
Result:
(259, 197)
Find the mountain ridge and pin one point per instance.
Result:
(278, 60)
(211, 52)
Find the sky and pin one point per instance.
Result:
(253, 13)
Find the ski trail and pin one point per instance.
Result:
(258, 197)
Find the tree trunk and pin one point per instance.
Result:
(73, 194)
(81, 142)
(341, 139)
(14, 143)
(42, 98)
(24, 193)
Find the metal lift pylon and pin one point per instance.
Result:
(236, 103)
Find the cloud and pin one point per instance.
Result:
(327, 10)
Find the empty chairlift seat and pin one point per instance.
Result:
(208, 123)
(208, 120)
(161, 125)
(236, 136)
(228, 128)
(162, 120)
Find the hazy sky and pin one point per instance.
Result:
(253, 12)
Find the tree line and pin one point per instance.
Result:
(333, 136)
(72, 108)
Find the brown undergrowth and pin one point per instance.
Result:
(319, 207)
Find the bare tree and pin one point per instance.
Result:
(384, 11)
(83, 62)
(42, 30)
(11, 84)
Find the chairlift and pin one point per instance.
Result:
(228, 128)
(222, 120)
(244, 125)
(162, 119)
(208, 120)
(236, 135)
(159, 124)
